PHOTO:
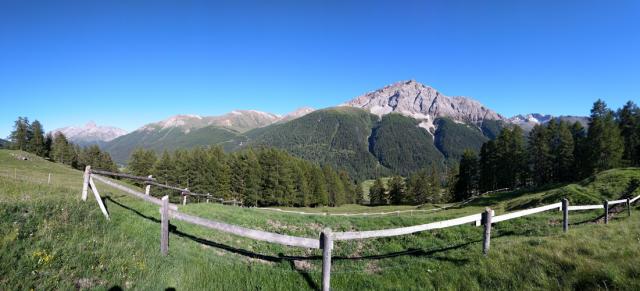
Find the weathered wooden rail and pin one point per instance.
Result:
(327, 237)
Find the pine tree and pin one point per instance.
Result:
(489, 162)
(580, 153)
(62, 151)
(468, 177)
(318, 186)
(540, 155)
(48, 143)
(435, 187)
(334, 186)
(21, 134)
(377, 193)
(36, 143)
(418, 187)
(141, 162)
(604, 141)
(397, 190)
(359, 192)
(562, 152)
(629, 122)
(452, 181)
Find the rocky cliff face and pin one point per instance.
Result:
(416, 100)
(91, 133)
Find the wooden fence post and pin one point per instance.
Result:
(606, 212)
(326, 241)
(164, 226)
(98, 199)
(184, 198)
(49, 179)
(486, 220)
(208, 197)
(85, 183)
(629, 207)
(565, 215)
(148, 189)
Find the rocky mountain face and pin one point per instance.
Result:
(91, 133)
(423, 103)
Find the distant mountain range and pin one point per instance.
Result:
(90, 133)
(399, 128)
(527, 122)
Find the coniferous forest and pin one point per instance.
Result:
(256, 177)
(554, 152)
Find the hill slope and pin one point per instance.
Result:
(51, 240)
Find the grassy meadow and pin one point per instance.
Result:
(50, 239)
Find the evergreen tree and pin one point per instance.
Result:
(540, 155)
(48, 143)
(604, 141)
(21, 134)
(37, 141)
(141, 162)
(468, 177)
(418, 187)
(334, 186)
(359, 192)
(348, 186)
(397, 191)
(377, 193)
(629, 122)
(318, 186)
(562, 147)
(489, 162)
(452, 181)
(580, 151)
(435, 187)
(62, 151)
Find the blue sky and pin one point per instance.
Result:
(127, 63)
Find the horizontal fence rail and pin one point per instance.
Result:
(248, 232)
(132, 177)
(152, 181)
(586, 207)
(406, 230)
(521, 213)
(133, 192)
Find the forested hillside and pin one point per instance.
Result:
(336, 136)
(402, 146)
(166, 139)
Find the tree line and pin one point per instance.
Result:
(420, 187)
(30, 137)
(255, 176)
(556, 152)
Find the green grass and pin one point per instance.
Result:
(49, 239)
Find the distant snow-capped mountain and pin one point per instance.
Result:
(91, 133)
(528, 121)
(237, 120)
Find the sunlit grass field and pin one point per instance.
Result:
(50, 239)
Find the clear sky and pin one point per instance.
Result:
(127, 63)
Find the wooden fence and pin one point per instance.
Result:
(327, 237)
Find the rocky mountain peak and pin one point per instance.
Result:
(419, 101)
(90, 133)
